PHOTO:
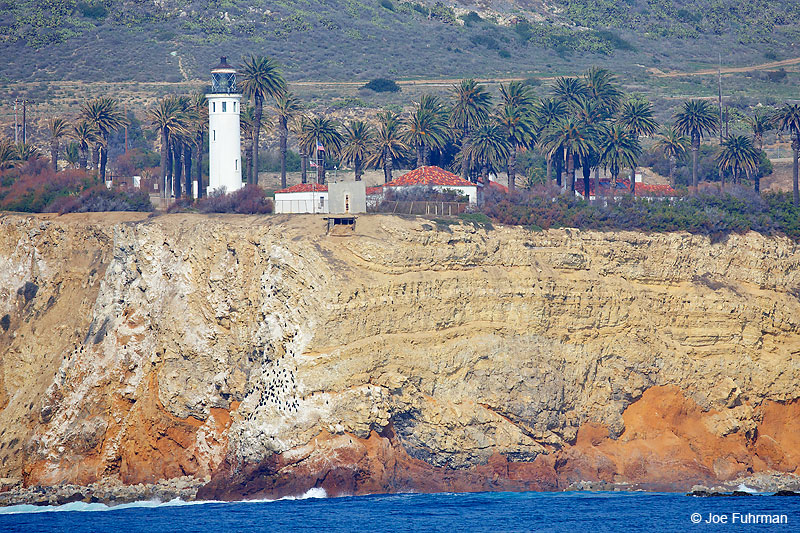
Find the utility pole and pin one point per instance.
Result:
(16, 124)
(24, 122)
(125, 112)
(719, 71)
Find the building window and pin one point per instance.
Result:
(223, 107)
(237, 165)
(234, 107)
(321, 202)
(346, 203)
(213, 107)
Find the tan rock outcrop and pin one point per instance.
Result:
(415, 354)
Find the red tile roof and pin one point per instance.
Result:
(305, 187)
(430, 176)
(374, 190)
(497, 186)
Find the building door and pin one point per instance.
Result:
(346, 203)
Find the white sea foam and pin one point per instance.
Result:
(315, 492)
(745, 488)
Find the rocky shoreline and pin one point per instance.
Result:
(106, 492)
(112, 492)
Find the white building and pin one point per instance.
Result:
(436, 178)
(224, 140)
(302, 198)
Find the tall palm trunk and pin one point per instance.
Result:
(426, 153)
(465, 160)
(164, 162)
(512, 168)
(795, 150)
(633, 181)
(248, 155)
(170, 165)
(257, 114)
(200, 149)
(387, 165)
(671, 171)
(96, 159)
(103, 158)
(54, 154)
(570, 172)
(178, 169)
(303, 166)
(83, 156)
(695, 149)
(587, 173)
(596, 183)
(284, 132)
(357, 168)
(559, 167)
(187, 163)
(420, 155)
(549, 169)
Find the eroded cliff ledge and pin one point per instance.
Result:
(265, 357)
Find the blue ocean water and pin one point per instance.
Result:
(569, 512)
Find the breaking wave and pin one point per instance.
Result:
(315, 492)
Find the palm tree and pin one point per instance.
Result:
(619, 148)
(198, 107)
(261, 79)
(57, 129)
(696, 119)
(26, 152)
(517, 94)
(518, 124)
(470, 109)
(548, 111)
(85, 135)
(72, 152)
(570, 90)
(246, 122)
(593, 114)
(426, 128)
(574, 138)
(322, 130)
(674, 145)
(105, 116)
(602, 88)
(287, 106)
(8, 154)
(387, 145)
(488, 149)
(358, 136)
(637, 117)
(760, 123)
(738, 153)
(169, 118)
(787, 118)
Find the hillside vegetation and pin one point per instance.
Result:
(141, 40)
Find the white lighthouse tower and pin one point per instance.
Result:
(224, 141)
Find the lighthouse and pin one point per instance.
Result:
(224, 141)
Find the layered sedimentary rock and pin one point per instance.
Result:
(266, 358)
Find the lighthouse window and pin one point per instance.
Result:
(223, 106)
(213, 107)
(215, 134)
(237, 164)
(234, 107)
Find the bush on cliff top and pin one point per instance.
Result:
(249, 200)
(35, 188)
(737, 210)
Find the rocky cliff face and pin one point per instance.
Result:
(262, 357)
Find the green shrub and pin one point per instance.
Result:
(382, 85)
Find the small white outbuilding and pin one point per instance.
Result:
(302, 198)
